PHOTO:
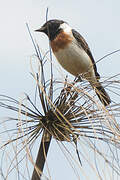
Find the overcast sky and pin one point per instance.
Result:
(97, 20)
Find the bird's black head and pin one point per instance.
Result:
(51, 28)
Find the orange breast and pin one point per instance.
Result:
(61, 41)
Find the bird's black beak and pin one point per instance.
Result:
(42, 29)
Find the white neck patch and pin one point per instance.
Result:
(66, 28)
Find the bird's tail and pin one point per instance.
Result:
(102, 94)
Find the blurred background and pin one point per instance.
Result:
(97, 21)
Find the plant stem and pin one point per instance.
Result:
(41, 157)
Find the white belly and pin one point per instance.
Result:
(74, 59)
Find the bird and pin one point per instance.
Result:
(73, 53)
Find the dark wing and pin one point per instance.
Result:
(85, 46)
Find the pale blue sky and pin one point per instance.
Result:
(97, 20)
